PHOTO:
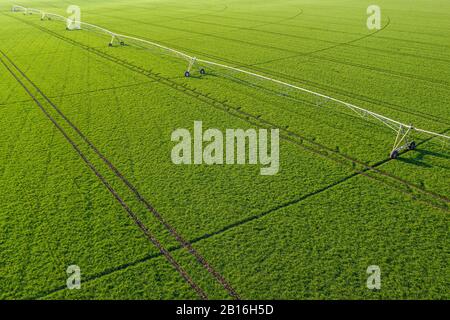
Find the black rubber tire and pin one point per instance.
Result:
(394, 154)
(110, 44)
(202, 71)
(187, 74)
(122, 43)
(412, 145)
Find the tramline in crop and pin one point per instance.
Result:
(402, 131)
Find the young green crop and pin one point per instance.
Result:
(308, 232)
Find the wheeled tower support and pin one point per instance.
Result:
(402, 142)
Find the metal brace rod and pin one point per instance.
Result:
(115, 37)
(401, 141)
(191, 64)
(401, 136)
(112, 40)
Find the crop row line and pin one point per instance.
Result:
(258, 121)
(342, 92)
(200, 259)
(296, 53)
(398, 23)
(217, 232)
(236, 28)
(282, 19)
(333, 44)
(327, 88)
(83, 92)
(210, 234)
(319, 29)
(149, 235)
(396, 126)
(333, 31)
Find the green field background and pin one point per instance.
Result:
(309, 232)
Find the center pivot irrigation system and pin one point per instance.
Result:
(402, 131)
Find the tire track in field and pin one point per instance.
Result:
(333, 44)
(267, 23)
(228, 227)
(352, 22)
(335, 31)
(245, 116)
(266, 213)
(371, 68)
(203, 237)
(134, 217)
(223, 107)
(200, 259)
(143, 200)
(86, 92)
(287, 96)
(215, 233)
(327, 88)
(339, 91)
(288, 135)
(295, 53)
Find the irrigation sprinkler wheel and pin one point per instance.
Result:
(187, 74)
(110, 44)
(122, 43)
(394, 154)
(202, 71)
(412, 145)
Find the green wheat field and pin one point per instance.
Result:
(338, 204)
